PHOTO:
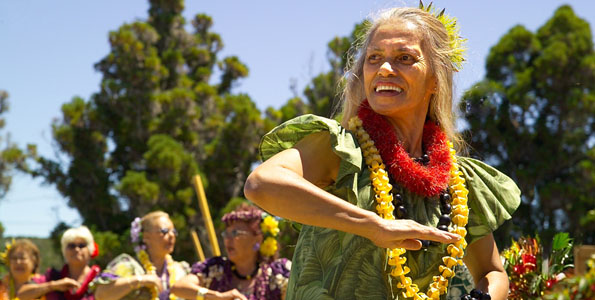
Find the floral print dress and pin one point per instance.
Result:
(270, 280)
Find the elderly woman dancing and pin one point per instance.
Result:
(78, 247)
(250, 270)
(124, 278)
(389, 208)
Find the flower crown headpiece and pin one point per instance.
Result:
(136, 235)
(457, 56)
(269, 225)
(4, 255)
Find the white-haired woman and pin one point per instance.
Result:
(387, 176)
(72, 281)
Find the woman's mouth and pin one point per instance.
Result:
(388, 90)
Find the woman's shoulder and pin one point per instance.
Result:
(288, 134)
(292, 131)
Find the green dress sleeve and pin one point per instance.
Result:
(493, 197)
(286, 135)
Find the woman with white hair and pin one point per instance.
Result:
(72, 281)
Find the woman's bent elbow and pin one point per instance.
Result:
(253, 187)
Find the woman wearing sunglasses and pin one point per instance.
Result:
(72, 281)
(154, 273)
(250, 270)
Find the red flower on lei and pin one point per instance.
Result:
(423, 180)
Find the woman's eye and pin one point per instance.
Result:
(373, 57)
(406, 58)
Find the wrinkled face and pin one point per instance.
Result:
(77, 252)
(160, 236)
(21, 264)
(240, 241)
(397, 77)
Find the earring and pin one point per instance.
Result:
(256, 246)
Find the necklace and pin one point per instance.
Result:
(423, 180)
(150, 268)
(382, 188)
(242, 277)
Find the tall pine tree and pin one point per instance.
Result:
(156, 121)
(533, 117)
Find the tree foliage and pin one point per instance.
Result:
(5, 166)
(533, 117)
(158, 119)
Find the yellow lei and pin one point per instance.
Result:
(384, 207)
(150, 269)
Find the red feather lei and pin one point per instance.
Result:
(423, 180)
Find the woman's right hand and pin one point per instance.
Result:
(231, 295)
(406, 234)
(64, 284)
(150, 280)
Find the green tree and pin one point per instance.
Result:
(158, 119)
(533, 117)
(5, 165)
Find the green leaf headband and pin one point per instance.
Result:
(452, 29)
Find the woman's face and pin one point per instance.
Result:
(21, 264)
(160, 236)
(77, 252)
(397, 78)
(240, 241)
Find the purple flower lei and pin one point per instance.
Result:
(136, 233)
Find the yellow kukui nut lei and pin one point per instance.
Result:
(270, 228)
(459, 214)
(150, 269)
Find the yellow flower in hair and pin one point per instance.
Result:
(4, 255)
(268, 247)
(270, 225)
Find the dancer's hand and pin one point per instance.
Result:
(231, 295)
(406, 234)
(64, 284)
(150, 280)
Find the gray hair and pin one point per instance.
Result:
(435, 43)
(72, 234)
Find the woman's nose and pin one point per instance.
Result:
(386, 69)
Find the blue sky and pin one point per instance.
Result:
(48, 48)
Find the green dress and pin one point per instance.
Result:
(331, 264)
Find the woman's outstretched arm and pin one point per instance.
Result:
(290, 184)
(188, 288)
(483, 261)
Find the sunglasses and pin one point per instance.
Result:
(232, 234)
(72, 246)
(165, 231)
